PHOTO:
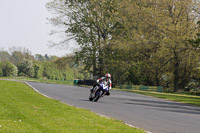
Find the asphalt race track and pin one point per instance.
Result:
(152, 114)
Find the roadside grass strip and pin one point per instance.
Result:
(24, 110)
(183, 98)
(65, 82)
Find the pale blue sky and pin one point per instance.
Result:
(23, 23)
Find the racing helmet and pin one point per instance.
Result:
(108, 75)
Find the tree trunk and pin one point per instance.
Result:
(176, 72)
(157, 78)
(94, 64)
(94, 59)
(101, 65)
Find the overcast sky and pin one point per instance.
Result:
(23, 23)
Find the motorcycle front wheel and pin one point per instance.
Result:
(97, 95)
(90, 97)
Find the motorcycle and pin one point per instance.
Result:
(98, 91)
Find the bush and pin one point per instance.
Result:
(38, 70)
(9, 69)
(26, 68)
(52, 71)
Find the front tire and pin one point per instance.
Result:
(97, 95)
(90, 98)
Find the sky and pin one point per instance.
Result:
(23, 23)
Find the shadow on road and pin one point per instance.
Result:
(165, 106)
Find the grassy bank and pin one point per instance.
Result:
(183, 98)
(24, 110)
(66, 82)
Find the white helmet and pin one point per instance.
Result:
(108, 75)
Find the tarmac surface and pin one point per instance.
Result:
(151, 114)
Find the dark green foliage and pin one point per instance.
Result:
(40, 67)
(38, 70)
(25, 68)
(51, 71)
(68, 74)
(55, 68)
(9, 69)
(72, 70)
(135, 75)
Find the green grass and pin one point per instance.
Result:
(66, 82)
(22, 110)
(183, 98)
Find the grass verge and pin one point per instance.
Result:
(24, 110)
(65, 82)
(183, 98)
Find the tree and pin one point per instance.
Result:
(38, 70)
(196, 40)
(9, 69)
(91, 24)
(1, 71)
(18, 54)
(4, 56)
(39, 57)
(53, 57)
(17, 57)
(46, 57)
(26, 68)
(182, 27)
(130, 38)
(156, 32)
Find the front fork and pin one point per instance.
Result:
(93, 90)
(104, 91)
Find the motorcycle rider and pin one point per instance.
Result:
(106, 83)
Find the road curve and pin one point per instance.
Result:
(152, 114)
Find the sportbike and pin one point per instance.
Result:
(98, 91)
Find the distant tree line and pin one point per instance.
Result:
(150, 42)
(20, 62)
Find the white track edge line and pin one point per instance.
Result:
(37, 90)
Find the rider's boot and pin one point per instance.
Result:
(107, 93)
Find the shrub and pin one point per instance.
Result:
(9, 69)
(26, 68)
(38, 70)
